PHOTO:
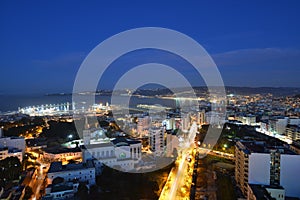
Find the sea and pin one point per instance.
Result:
(10, 103)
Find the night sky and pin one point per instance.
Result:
(42, 43)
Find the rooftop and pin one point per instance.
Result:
(36, 142)
(122, 141)
(59, 150)
(10, 150)
(58, 167)
(98, 145)
(260, 192)
(263, 147)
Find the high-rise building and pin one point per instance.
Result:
(172, 143)
(156, 139)
(259, 163)
(143, 124)
(185, 123)
(292, 132)
(201, 117)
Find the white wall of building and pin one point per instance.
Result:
(85, 174)
(278, 194)
(294, 121)
(259, 168)
(156, 139)
(12, 142)
(289, 174)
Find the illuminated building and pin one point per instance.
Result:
(170, 123)
(120, 152)
(292, 132)
(172, 143)
(143, 124)
(62, 154)
(247, 119)
(201, 117)
(156, 139)
(6, 152)
(13, 142)
(185, 123)
(12, 146)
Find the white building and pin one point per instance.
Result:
(172, 143)
(258, 164)
(12, 146)
(143, 124)
(278, 125)
(201, 117)
(265, 192)
(214, 118)
(82, 172)
(13, 142)
(118, 153)
(170, 123)
(294, 121)
(62, 154)
(292, 132)
(185, 122)
(156, 139)
(247, 119)
(66, 190)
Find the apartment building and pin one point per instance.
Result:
(259, 163)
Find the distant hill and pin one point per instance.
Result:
(276, 91)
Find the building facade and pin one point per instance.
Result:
(257, 163)
(156, 139)
(6, 152)
(82, 172)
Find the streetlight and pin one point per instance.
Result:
(224, 147)
(70, 136)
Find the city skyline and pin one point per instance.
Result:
(149, 100)
(253, 44)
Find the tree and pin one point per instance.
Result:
(82, 192)
(93, 192)
(10, 168)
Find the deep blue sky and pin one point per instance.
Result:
(42, 43)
